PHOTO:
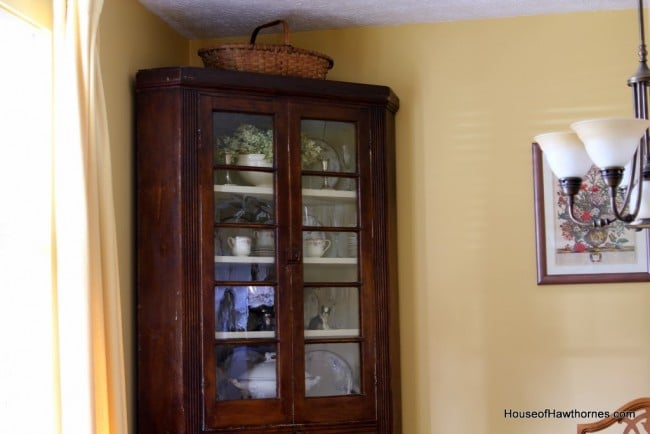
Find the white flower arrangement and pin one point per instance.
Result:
(249, 139)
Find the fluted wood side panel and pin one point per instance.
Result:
(191, 229)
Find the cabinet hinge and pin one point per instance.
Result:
(199, 138)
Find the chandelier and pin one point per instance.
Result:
(618, 147)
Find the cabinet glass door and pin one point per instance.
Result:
(245, 291)
(330, 234)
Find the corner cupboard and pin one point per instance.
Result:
(266, 254)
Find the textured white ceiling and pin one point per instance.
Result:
(204, 19)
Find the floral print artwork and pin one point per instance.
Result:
(592, 202)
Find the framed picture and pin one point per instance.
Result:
(572, 253)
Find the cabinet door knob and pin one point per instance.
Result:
(295, 256)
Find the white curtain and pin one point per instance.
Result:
(90, 371)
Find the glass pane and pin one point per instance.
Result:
(238, 134)
(330, 256)
(332, 369)
(329, 183)
(329, 146)
(231, 207)
(319, 244)
(244, 312)
(244, 254)
(243, 139)
(236, 242)
(246, 272)
(242, 243)
(316, 244)
(246, 372)
(338, 209)
(331, 312)
(330, 270)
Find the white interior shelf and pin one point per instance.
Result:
(339, 195)
(313, 193)
(271, 260)
(243, 189)
(331, 333)
(330, 261)
(244, 335)
(245, 259)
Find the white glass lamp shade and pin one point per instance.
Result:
(611, 142)
(565, 154)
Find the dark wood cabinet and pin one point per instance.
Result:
(266, 254)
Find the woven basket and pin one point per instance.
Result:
(267, 58)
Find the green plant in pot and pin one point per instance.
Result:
(247, 139)
(253, 146)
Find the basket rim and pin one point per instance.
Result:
(265, 47)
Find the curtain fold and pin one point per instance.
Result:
(90, 369)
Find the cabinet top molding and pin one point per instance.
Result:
(278, 85)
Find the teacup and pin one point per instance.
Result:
(240, 245)
(316, 247)
(264, 239)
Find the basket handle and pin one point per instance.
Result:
(285, 28)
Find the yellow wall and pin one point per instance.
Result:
(478, 335)
(131, 38)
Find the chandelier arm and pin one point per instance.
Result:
(596, 223)
(570, 187)
(638, 176)
(643, 173)
(628, 190)
(570, 201)
(613, 176)
(618, 214)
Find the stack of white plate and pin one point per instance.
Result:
(353, 243)
(263, 251)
